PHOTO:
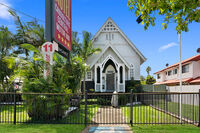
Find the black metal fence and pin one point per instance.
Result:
(100, 108)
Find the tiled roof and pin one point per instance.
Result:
(194, 58)
(197, 80)
(174, 81)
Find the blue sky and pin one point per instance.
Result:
(158, 46)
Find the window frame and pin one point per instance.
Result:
(185, 68)
(169, 73)
(89, 79)
(158, 76)
(132, 72)
(175, 71)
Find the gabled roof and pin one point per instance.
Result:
(194, 58)
(114, 27)
(104, 50)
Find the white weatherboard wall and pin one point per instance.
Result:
(122, 46)
(196, 69)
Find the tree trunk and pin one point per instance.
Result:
(84, 83)
(3, 85)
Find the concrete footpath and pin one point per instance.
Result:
(108, 115)
(108, 129)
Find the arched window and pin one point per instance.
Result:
(98, 75)
(121, 74)
(131, 72)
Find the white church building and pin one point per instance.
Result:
(118, 62)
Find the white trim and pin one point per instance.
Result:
(116, 52)
(122, 33)
(123, 76)
(109, 57)
(96, 66)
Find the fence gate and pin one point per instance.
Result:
(108, 108)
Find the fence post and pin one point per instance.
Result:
(199, 109)
(131, 106)
(85, 108)
(14, 106)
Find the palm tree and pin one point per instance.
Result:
(29, 32)
(85, 50)
(6, 39)
(148, 69)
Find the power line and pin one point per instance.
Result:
(22, 12)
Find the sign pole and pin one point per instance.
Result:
(57, 31)
(180, 75)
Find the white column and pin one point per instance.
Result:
(129, 76)
(123, 77)
(95, 77)
(101, 78)
(118, 74)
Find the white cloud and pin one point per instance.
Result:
(165, 47)
(4, 14)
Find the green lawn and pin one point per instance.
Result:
(188, 111)
(165, 129)
(146, 114)
(7, 114)
(37, 128)
(79, 116)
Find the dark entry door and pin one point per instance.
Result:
(110, 82)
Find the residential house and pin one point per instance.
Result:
(190, 74)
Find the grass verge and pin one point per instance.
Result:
(165, 129)
(77, 117)
(37, 128)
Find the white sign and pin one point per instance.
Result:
(48, 50)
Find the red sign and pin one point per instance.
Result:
(62, 22)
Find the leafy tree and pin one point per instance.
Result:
(150, 80)
(148, 69)
(142, 80)
(182, 12)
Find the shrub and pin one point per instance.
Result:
(103, 101)
(45, 107)
(123, 99)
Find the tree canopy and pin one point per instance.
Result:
(148, 69)
(182, 12)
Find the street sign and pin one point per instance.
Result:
(47, 51)
(58, 22)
